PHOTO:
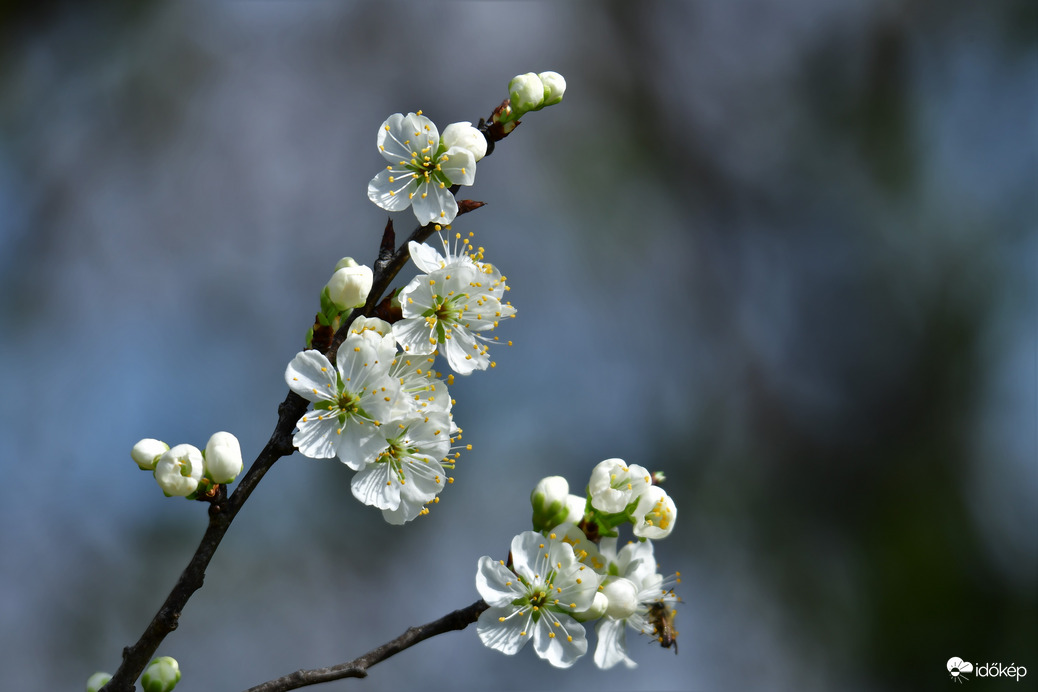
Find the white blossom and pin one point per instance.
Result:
(408, 473)
(614, 485)
(421, 169)
(536, 599)
(636, 595)
(655, 514)
(448, 309)
(351, 399)
(179, 470)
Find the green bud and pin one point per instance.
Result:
(549, 503)
(97, 681)
(161, 675)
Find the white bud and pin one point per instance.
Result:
(161, 675)
(623, 598)
(655, 515)
(179, 470)
(554, 87)
(350, 284)
(526, 93)
(96, 681)
(147, 452)
(223, 458)
(597, 609)
(551, 489)
(465, 136)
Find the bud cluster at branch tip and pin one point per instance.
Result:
(186, 471)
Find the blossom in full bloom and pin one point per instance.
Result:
(407, 474)
(614, 485)
(179, 470)
(536, 599)
(421, 169)
(351, 399)
(636, 594)
(451, 305)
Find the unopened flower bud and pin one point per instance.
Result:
(549, 502)
(350, 284)
(597, 609)
(223, 460)
(161, 675)
(623, 598)
(526, 93)
(147, 452)
(179, 470)
(465, 136)
(96, 681)
(554, 87)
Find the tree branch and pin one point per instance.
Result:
(358, 667)
(222, 511)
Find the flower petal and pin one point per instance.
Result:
(311, 376)
(459, 166)
(568, 644)
(434, 203)
(612, 644)
(373, 486)
(504, 630)
(497, 584)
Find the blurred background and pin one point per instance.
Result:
(784, 252)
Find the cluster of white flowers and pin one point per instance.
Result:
(184, 470)
(568, 571)
(386, 413)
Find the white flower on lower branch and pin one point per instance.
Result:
(536, 599)
(637, 594)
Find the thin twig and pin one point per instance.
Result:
(358, 667)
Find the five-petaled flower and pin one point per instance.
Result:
(351, 399)
(421, 169)
(536, 599)
(447, 309)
